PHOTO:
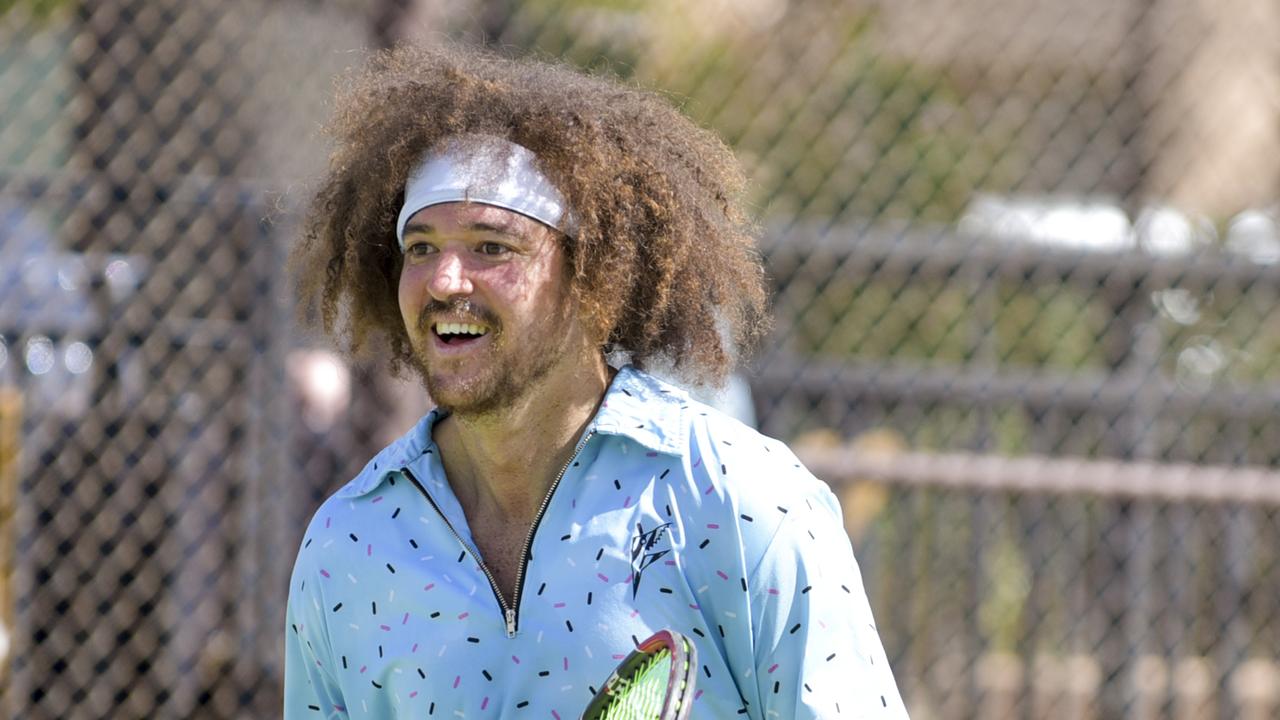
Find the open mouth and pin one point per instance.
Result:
(459, 333)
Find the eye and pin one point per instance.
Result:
(417, 248)
(493, 248)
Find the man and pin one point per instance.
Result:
(506, 229)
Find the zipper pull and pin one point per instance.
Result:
(511, 623)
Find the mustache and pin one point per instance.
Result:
(459, 309)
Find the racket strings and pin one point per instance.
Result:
(643, 694)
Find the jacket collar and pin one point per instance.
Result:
(637, 406)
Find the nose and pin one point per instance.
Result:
(449, 277)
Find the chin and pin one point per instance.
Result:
(495, 382)
(465, 397)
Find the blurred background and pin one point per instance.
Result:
(1025, 262)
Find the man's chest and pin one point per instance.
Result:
(416, 617)
(501, 546)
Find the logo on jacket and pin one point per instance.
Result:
(645, 552)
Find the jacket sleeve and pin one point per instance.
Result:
(818, 653)
(310, 690)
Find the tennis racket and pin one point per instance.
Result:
(654, 682)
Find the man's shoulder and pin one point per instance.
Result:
(348, 505)
(756, 472)
(712, 430)
(679, 416)
(740, 478)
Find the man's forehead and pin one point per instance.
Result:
(473, 215)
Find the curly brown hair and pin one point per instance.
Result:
(663, 261)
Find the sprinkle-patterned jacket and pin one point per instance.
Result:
(670, 515)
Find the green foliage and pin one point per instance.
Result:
(1009, 580)
(579, 32)
(1050, 326)
(37, 9)
(854, 134)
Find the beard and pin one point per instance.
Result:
(495, 376)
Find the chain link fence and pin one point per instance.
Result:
(1025, 260)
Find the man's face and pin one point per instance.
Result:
(485, 300)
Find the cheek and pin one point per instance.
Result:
(409, 295)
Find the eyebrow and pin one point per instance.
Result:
(507, 229)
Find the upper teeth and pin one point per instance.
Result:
(459, 329)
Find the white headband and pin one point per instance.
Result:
(487, 170)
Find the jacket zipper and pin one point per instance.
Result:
(508, 612)
(533, 529)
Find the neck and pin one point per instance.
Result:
(502, 463)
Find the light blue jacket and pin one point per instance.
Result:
(670, 515)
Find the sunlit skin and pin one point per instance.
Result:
(519, 396)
